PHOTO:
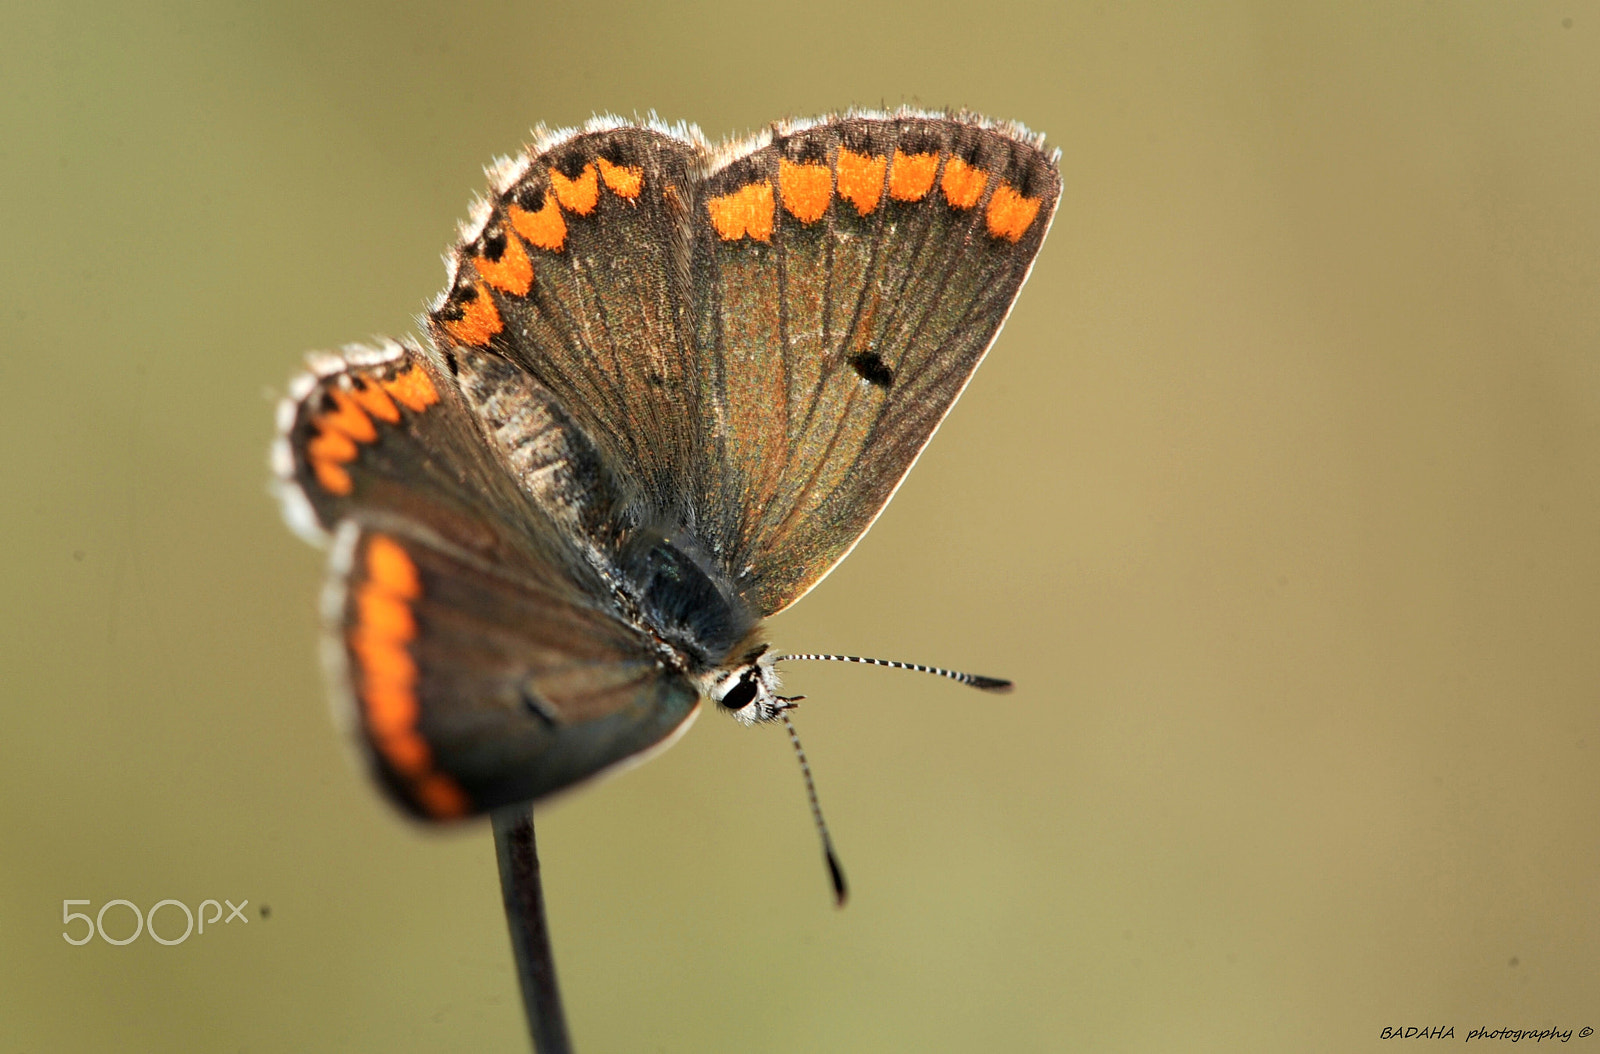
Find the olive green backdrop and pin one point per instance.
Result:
(1279, 498)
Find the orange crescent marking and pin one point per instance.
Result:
(861, 179)
(479, 320)
(391, 706)
(406, 752)
(545, 228)
(383, 659)
(805, 189)
(413, 388)
(372, 399)
(576, 195)
(334, 479)
(384, 625)
(1011, 214)
(390, 567)
(331, 446)
(625, 181)
(512, 273)
(911, 175)
(383, 614)
(441, 797)
(962, 184)
(746, 211)
(349, 418)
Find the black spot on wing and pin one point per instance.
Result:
(529, 198)
(872, 368)
(537, 706)
(809, 147)
(494, 243)
(570, 160)
(454, 307)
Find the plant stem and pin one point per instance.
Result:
(530, 935)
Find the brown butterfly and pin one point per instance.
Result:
(668, 388)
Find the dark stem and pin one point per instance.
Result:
(530, 935)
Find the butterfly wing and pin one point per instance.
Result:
(484, 660)
(578, 270)
(854, 273)
(475, 688)
(758, 340)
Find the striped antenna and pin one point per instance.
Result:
(988, 684)
(835, 873)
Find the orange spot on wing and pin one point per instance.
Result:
(861, 179)
(441, 797)
(545, 228)
(383, 659)
(479, 320)
(391, 705)
(334, 479)
(625, 181)
(390, 567)
(413, 388)
(384, 625)
(805, 189)
(406, 753)
(746, 211)
(512, 273)
(348, 418)
(1011, 214)
(962, 184)
(576, 195)
(331, 446)
(388, 673)
(388, 687)
(383, 614)
(340, 430)
(327, 452)
(911, 175)
(372, 399)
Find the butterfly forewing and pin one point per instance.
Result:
(383, 431)
(853, 275)
(581, 275)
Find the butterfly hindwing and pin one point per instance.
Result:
(474, 688)
(485, 659)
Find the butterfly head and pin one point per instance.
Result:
(749, 690)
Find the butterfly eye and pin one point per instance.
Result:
(740, 695)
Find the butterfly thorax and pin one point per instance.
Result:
(685, 601)
(682, 598)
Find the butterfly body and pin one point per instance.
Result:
(667, 388)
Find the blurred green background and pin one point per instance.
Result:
(1279, 498)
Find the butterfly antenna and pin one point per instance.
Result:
(841, 892)
(988, 684)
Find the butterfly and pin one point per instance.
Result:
(668, 387)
